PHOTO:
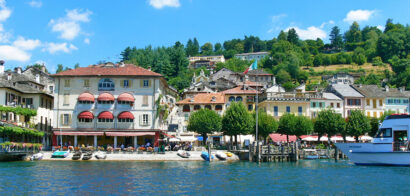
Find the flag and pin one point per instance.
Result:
(252, 67)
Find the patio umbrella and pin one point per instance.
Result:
(174, 139)
(336, 138)
(350, 139)
(310, 139)
(324, 139)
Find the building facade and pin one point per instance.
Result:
(110, 104)
(352, 99)
(252, 56)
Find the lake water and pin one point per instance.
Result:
(321, 177)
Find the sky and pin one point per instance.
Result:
(66, 32)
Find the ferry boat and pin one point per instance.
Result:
(390, 146)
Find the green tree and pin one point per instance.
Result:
(266, 125)
(125, 55)
(304, 126)
(353, 36)
(207, 49)
(77, 65)
(329, 122)
(357, 124)
(218, 48)
(283, 76)
(374, 125)
(60, 68)
(237, 120)
(192, 47)
(336, 39)
(293, 36)
(204, 122)
(287, 125)
(282, 36)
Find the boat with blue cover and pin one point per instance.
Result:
(205, 156)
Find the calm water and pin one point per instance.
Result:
(186, 178)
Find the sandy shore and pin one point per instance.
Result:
(168, 156)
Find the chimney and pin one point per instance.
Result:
(9, 76)
(43, 68)
(38, 78)
(274, 80)
(402, 88)
(122, 64)
(1, 66)
(17, 70)
(387, 88)
(149, 68)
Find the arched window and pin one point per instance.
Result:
(197, 107)
(239, 98)
(218, 107)
(186, 108)
(209, 107)
(106, 84)
(231, 98)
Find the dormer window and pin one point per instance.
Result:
(106, 85)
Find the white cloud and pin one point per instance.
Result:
(59, 47)
(381, 27)
(5, 12)
(159, 4)
(26, 44)
(358, 15)
(330, 22)
(276, 22)
(278, 17)
(69, 26)
(87, 41)
(36, 4)
(310, 33)
(13, 53)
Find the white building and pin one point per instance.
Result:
(325, 101)
(110, 104)
(252, 56)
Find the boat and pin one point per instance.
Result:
(221, 156)
(77, 155)
(37, 156)
(100, 155)
(310, 154)
(87, 156)
(205, 156)
(183, 154)
(60, 154)
(229, 154)
(389, 147)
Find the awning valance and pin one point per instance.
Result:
(105, 97)
(86, 97)
(106, 115)
(129, 133)
(276, 137)
(125, 115)
(86, 115)
(78, 133)
(126, 97)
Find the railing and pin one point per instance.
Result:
(18, 149)
(401, 146)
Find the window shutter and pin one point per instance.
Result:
(141, 83)
(129, 83)
(149, 120)
(122, 83)
(149, 83)
(141, 119)
(69, 119)
(62, 119)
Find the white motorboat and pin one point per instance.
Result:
(221, 156)
(100, 155)
(37, 156)
(390, 146)
(311, 154)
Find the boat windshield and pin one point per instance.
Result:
(384, 132)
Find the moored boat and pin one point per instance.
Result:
(183, 154)
(100, 155)
(60, 154)
(310, 154)
(87, 156)
(77, 155)
(206, 156)
(390, 146)
(221, 156)
(37, 156)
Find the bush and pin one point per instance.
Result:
(377, 61)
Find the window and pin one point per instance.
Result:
(66, 99)
(145, 100)
(186, 116)
(288, 109)
(124, 102)
(300, 109)
(105, 102)
(374, 114)
(275, 110)
(231, 98)
(105, 120)
(197, 107)
(218, 107)
(85, 102)
(250, 107)
(384, 132)
(145, 83)
(85, 120)
(123, 120)
(368, 102)
(106, 85)
(209, 107)
(314, 104)
(320, 105)
(332, 105)
(125, 83)
(51, 88)
(86, 83)
(65, 119)
(406, 101)
(41, 123)
(66, 83)
(42, 102)
(380, 102)
(144, 119)
(238, 99)
(338, 105)
(368, 113)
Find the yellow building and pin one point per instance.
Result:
(243, 94)
(281, 103)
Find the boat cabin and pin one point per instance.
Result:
(394, 130)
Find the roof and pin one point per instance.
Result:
(330, 96)
(346, 90)
(250, 83)
(240, 90)
(375, 91)
(256, 72)
(105, 70)
(251, 53)
(204, 98)
(276, 137)
(20, 83)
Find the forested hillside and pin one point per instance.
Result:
(292, 60)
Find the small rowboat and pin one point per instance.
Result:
(87, 156)
(206, 157)
(100, 155)
(37, 156)
(76, 156)
(183, 154)
(60, 154)
(221, 156)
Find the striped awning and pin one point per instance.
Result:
(78, 133)
(126, 97)
(86, 115)
(106, 115)
(136, 133)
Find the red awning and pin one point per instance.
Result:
(128, 133)
(86, 97)
(126, 97)
(105, 97)
(170, 136)
(106, 115)
(125, 115)
(78, 133)
(281, 138)
(86, 115)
